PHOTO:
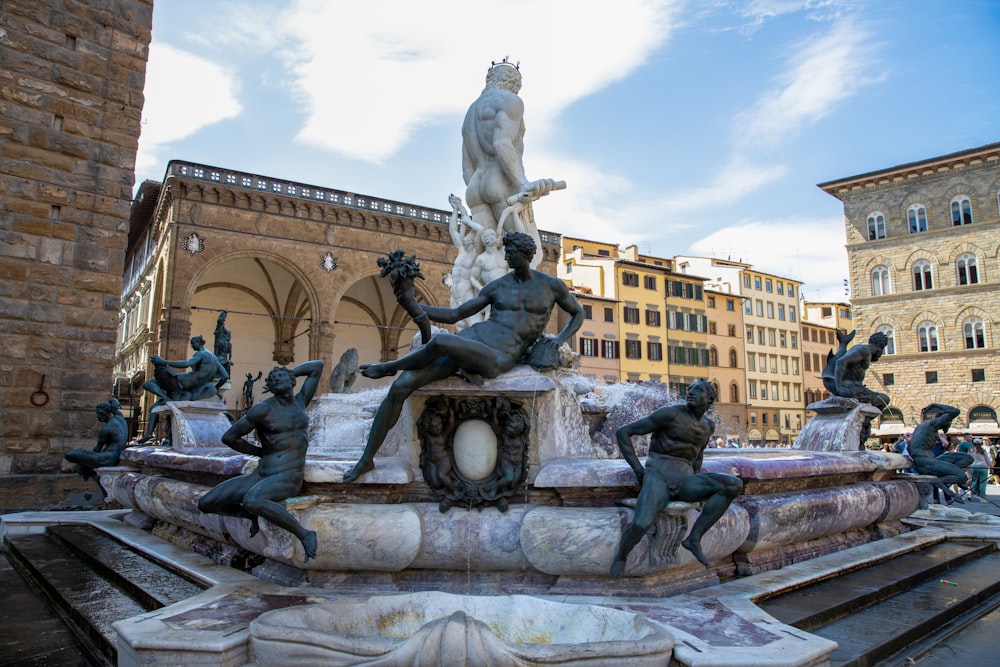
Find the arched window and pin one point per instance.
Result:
(961, 211)
(713, 358)
(927, 337)
(916, 215)
(734, 393)
(876, 226)
(715, 388)
(974, 334)
(733, 361)
(887, 330)
(880, 281)
(968, 269)
(922, 278)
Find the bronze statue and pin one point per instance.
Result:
(204, 380)
(248, 389)
(402, 271)
(679, 436)
(520, 305)
(166, 387)
(948, 466)
(111, 440)
(282, 427)
(223, 343)
(845, 370)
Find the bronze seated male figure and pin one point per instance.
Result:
(679, 435)
(520, 304)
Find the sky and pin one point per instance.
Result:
(681, 127)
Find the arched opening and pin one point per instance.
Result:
(269, 317)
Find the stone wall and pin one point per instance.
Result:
(71, 96)
(933, 184)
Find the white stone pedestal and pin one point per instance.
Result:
(837, 425)
(195, 424)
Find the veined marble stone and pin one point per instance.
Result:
(195, 424)
(446, 629)
(339, 423)
(837, 425)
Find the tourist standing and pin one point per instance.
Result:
(980, 468)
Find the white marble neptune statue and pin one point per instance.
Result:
(497, 191)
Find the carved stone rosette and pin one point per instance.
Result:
(473, 450)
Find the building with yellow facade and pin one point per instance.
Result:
(660, 315)
(835, 314)
(818, 340)
(597, 341)
(726, 362)
(775, 409)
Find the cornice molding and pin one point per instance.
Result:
(985, 157)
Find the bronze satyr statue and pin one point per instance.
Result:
(282, 426)
(948, 466)
(203, 381)
(520, 305)
(845, 370)
(679, 435)
(111, 440)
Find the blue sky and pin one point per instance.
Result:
(681, 127)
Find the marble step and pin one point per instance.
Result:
(146, 581)
(31, 633)
(916, 612)
(824, 602)
(88, 602)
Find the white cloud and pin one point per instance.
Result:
(824, 72)
(809, 250)
(733, 181)
(184, 93)
(760, 11)
(369, 73)
(602, 203)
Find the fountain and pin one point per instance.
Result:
(483, 493)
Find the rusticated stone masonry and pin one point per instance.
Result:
(71, 96)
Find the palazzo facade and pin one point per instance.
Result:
(923, 244)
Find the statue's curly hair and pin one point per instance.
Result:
(520, 242)
(878, 339)
(276, 374)
(504, 76)
(708, 386)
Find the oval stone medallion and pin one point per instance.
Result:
(475, 447)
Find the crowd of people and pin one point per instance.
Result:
(736, 443)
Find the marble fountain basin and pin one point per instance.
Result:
(435, 628)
